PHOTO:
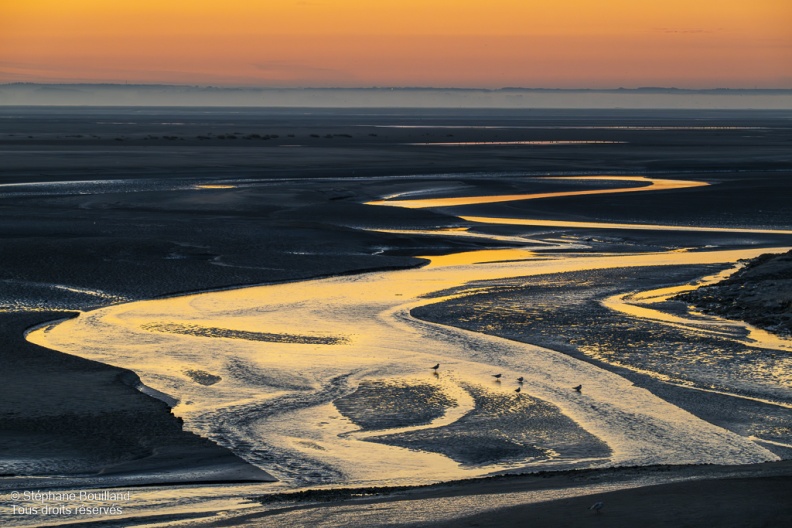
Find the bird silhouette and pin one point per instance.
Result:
(597, 506)
(578, 388)
(436, 367)
(520, 379)
(517, 390)
(497, 376)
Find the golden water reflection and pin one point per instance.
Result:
(381, 340)
(616, 225)
(648, 184)
(639, 305)
(481, 256)
(270, 399)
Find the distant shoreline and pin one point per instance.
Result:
(99, 94)
(642, 89)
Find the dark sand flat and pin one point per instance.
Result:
(141, 228)
(746, 496)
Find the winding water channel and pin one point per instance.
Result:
(329, 380)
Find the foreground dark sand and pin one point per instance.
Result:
(722, 496)
(294, 213)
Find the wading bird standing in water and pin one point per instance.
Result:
(517, 390)
(436, 367)
(578, 388)
(497, 376)
(520, 380)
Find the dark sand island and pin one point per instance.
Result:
(104, 206)
(760, 293)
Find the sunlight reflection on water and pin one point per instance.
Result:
(271, 400)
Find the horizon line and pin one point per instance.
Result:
(406, 88)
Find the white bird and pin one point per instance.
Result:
(597, 506)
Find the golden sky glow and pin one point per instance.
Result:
(545, 43)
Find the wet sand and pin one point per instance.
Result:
(744, 496)
(284, 213)
(759, 294)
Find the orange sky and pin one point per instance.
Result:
(442, 43)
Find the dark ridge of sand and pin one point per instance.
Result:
(513, 482)
(227, 333)
(722, 503)
(690, 496)
(760, 293)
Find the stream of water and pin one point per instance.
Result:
(329, 381)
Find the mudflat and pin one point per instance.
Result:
(106, 206)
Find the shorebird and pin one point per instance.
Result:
(497, 376)
(520, 379)
(517, 390)
(578, 388)
(597, 506)
(436, 367)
